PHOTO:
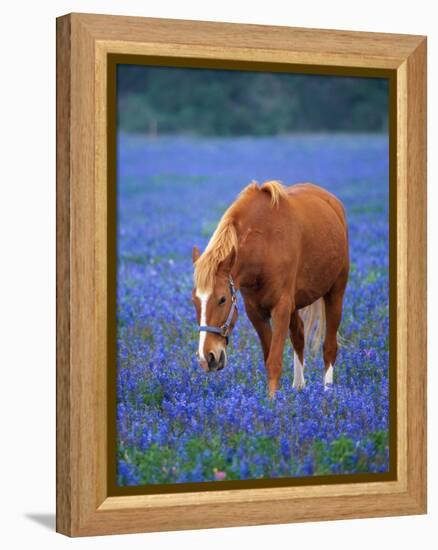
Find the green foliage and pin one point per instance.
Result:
(343, 455)
(156, 463)
(164, 100)
(374, 275)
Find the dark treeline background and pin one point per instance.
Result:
(161, 100)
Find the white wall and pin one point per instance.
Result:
(27, 288)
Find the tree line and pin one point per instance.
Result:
(205, 102)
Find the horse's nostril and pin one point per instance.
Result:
(211, 358)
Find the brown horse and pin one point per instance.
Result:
(286, 250)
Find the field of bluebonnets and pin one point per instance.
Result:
(175, 423)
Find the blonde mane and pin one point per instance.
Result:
(224, 239)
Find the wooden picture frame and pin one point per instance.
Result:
(84, 44)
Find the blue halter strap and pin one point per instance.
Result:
(225, 329)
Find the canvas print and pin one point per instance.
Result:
(252, 302)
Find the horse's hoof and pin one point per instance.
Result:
(272, 392)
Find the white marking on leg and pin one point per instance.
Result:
(204, 297)
(299, 381)
(328, 377)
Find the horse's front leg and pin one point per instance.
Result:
(262, 325)
(280, 315)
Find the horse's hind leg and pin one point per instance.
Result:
(333, 311)
(296, 330)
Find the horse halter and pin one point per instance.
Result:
(225, 329)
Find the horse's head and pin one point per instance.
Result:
(216, 311)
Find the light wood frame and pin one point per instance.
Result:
(83, 44)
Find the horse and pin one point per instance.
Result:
(285, 248)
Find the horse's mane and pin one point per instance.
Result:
(224, 239)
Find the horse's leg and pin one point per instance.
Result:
(296, 329)
(280, 315)
(262, 326)
(333, 312)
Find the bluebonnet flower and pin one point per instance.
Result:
(176, 424)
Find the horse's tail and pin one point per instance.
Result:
(313, 317)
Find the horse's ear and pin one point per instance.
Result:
(227, 264)
(195, 253)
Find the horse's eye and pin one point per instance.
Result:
(222, 300)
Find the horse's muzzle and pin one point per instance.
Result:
(214, 364)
